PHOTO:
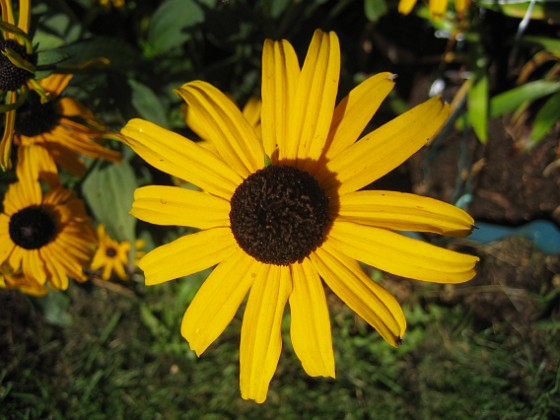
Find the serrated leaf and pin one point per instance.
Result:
(168, 25)
(148, 105)
(109, 192)
(546, 118)
(510, 100)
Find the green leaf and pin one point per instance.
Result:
(147, 103)
(510, 100)
(478, 106)
(550, 44)
(546, 118)
(168, 27)
(55, 306)
(109, 192)
(374, 9)
(543, 9)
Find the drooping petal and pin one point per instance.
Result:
(354, 112)
(401, 255)
(56, 83)
(382, 150)
(402, 211)
(35, 162)
(181, 157)
(217, 301)
(223, 124)
(369, 300)
(261, 339)
(312, 110)
(280, 74)
(187, 255)
(8, 133)
(33, 267)
(174, 206)
(24, 15)
(310, 328)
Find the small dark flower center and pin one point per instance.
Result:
(279, 215)
(111, 252)
(32, 227)
(34, 118)
(11, 76)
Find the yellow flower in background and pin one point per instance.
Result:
(17, 67)
(26, 285)
(278, 216)
(111, 256)
(56, 133)
(119, 4)
(437, 7)
(44, 238)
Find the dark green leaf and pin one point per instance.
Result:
(148, 104)
(546, 118)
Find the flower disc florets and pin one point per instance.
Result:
(279, 215)
(11, 76)
(34, 118)
(32, 227)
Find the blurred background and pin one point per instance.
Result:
(484, 349)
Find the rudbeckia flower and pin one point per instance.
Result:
(17, 67)
(284, 215)
(57, 132)
(111, 256)
(437, 7)
(45, 238)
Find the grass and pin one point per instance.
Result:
(122, 356)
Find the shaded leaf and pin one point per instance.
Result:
(546, 118)
(148, 105)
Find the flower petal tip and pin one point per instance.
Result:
(392, 77)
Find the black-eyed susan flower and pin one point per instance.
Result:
(437, 7)
(111, 256)
(57, 133)
(26, 285)
(283, 215)
(17, 69)
(45, 238)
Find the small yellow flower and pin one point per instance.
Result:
(56, 133)
(111, 256)
(437, 7)
(46, 237)
(282, 214)
(119, 4)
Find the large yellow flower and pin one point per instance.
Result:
(45, 238)
(283, 215)
(57, 132)
(111, 256)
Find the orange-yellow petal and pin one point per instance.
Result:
(401, 255)
(310, 328)
(217, 301)
(187, 255)
(261, 339)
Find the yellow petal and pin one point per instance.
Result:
(24, 15)
(280, 74)
(402, 211)
(312, 110)
(180, 157)
(369, 300)
(438, 8)
(310, 328)
(187, 255)
(261, 339)
(174, 206)
(217, 301)
(8, 135)
(252, 111)
(56, 83)
(35, 162)
(223, 124)
(384, 149)
(400, 255)
(406, 6)
(354, 112)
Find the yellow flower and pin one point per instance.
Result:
(17, 67)
(24, 284)
(56, 133)
(281, 215)
(119, 4)
(437, 7)
(47, 237)
(111, 256)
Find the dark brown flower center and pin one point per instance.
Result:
(279, 215)
(111, 252)
(33, 227)
(34, 118)
(11, 76)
